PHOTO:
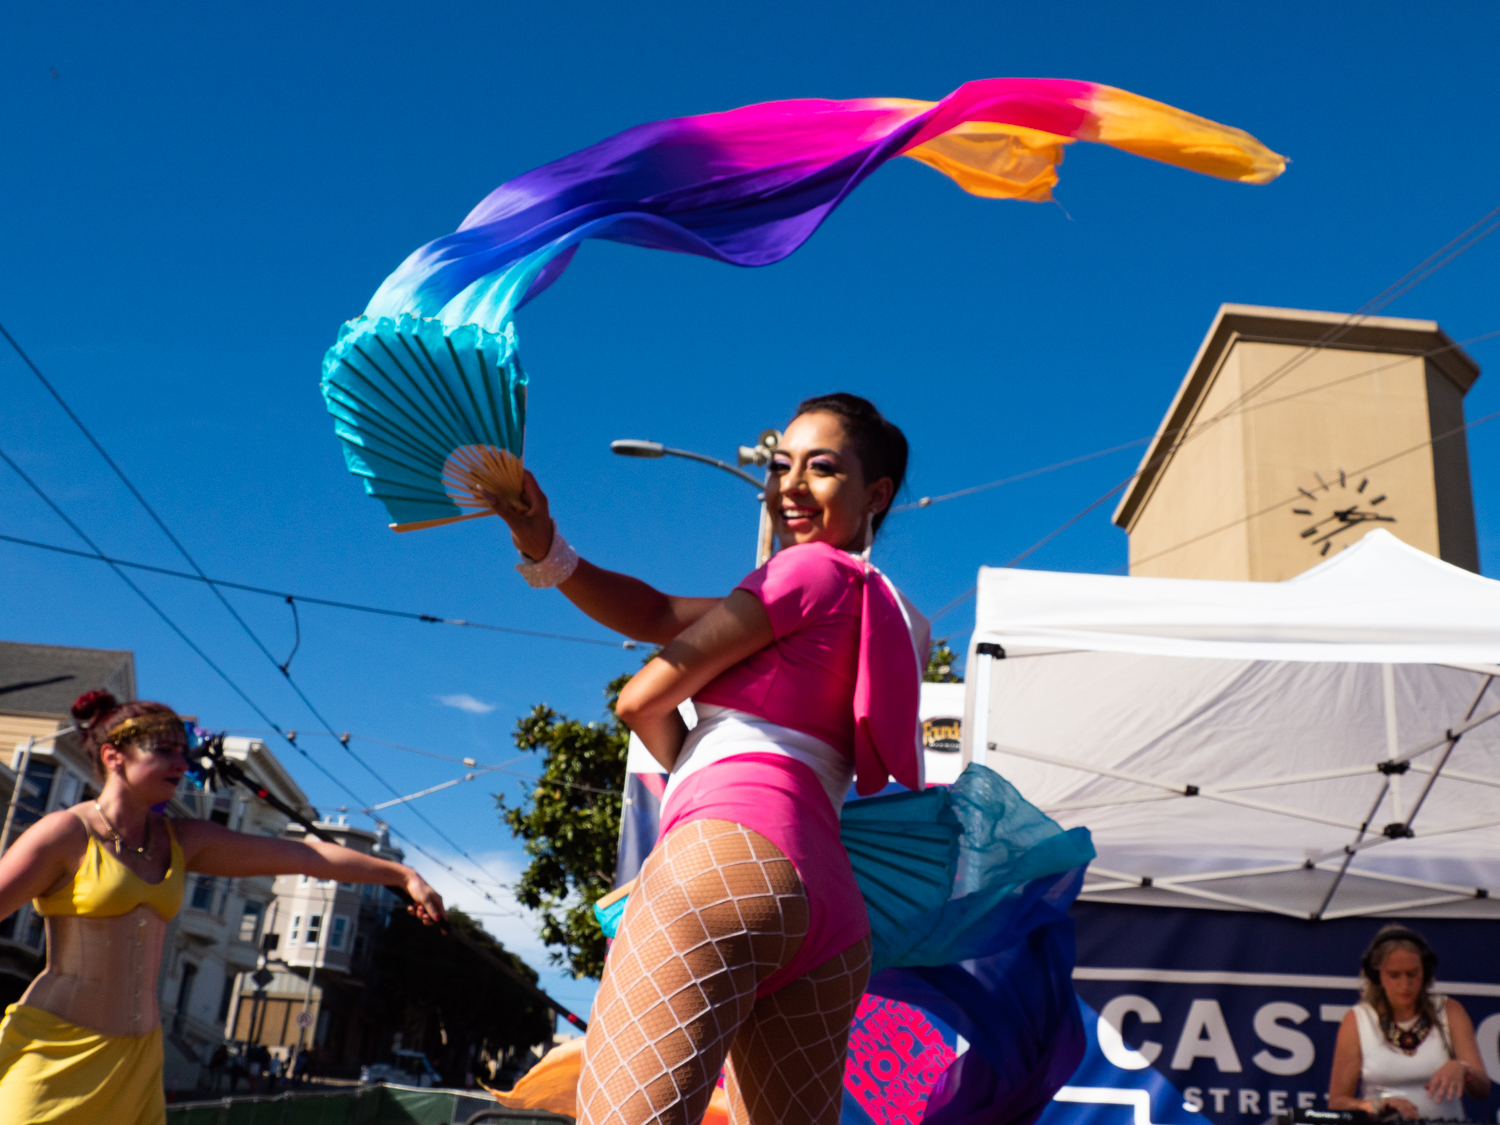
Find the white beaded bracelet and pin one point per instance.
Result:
(553, 570)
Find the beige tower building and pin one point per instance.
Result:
(1293, 435)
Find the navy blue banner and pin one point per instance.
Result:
(1199, 1016)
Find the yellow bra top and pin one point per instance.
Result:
(103, 887)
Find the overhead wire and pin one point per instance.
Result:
(171, 624)
(1301, 496)
(15, 345)
(429, 618)
(473, 764)
(288, 735)
(223, 675)
(928, 501)
(1440, 258)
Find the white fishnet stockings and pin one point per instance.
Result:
(716, 910)
(787, 1063)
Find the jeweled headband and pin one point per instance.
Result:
(158, 722)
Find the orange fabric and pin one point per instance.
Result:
(1162, 132)
(551, 1085)
(1000, 161)
(996, 161)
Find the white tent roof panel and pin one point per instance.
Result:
(1119, 694)
(1378, 602)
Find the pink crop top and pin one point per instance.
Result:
(805, 680)
(844, 667)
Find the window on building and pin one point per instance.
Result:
(339, 931)
(203, 892)
(68, 790)
(314, 929)
(291, 934)
(35, 795)
(223, 806)
(250, 922)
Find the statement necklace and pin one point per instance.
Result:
(1406, 1039)
(119, 841)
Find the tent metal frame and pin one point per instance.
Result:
(1392, 766)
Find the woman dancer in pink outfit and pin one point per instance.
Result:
(746, 936)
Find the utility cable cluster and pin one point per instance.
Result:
(35, 487)
(293, 599)
(1440, 258)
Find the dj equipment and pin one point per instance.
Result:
(1357, 1117)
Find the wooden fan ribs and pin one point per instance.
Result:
(473, 468)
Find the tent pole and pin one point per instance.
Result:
(1392, 729)
(1448, 750)
(1403, 828)
(1333, 887)
(986, 653)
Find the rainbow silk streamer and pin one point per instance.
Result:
(431, 368)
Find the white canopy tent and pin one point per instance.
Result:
(1319, 748)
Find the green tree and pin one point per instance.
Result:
(449, 1003)
(571, 826)
(942, 665)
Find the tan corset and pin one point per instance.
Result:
(101, 972)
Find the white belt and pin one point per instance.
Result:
(723, 732)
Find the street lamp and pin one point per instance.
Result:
(757, 454)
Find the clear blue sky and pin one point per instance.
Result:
(201, 194)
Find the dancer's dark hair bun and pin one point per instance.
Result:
(92, 706)
(881, 445)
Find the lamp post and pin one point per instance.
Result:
(305, 1017)
(757, 454)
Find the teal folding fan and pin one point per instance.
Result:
(431, 417)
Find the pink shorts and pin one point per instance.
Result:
(781, 799)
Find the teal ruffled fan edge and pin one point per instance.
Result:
(399, 460)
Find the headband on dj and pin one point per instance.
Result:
(1371, 967)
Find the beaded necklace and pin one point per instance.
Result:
(1406, 1039)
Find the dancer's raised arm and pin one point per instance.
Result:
(617, 601)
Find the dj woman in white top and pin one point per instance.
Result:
(1401, 1048)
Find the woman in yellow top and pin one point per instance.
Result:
(83, 1045)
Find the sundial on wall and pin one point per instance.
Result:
(1338, 506)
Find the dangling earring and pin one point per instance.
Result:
(869, 536)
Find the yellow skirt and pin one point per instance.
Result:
(58, 1072)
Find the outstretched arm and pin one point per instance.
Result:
(617, 601)
(215, 850)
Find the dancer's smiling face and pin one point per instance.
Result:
(817, 492)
